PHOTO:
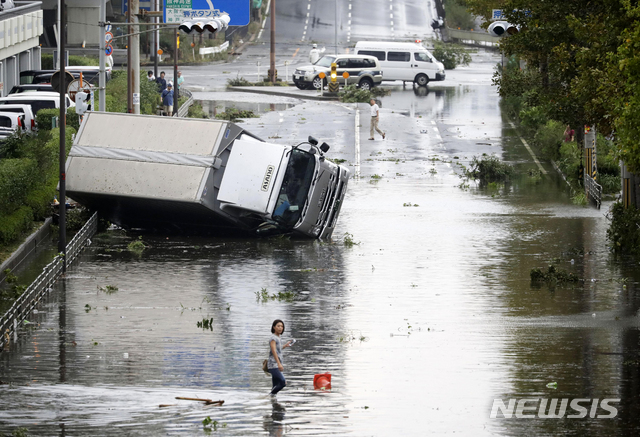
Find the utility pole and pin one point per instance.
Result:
(101, 78)
(62, 207)
(134, 6)
(272, 70)
(176, 96)
(129, 79)
(156, 37)
(336, 30)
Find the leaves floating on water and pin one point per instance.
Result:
(552, 275)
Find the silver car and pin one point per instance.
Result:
(364, 71)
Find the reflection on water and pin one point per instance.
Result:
(422, 323)
(214, 107)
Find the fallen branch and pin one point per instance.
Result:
(206, 401)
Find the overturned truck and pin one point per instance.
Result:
(193, 175)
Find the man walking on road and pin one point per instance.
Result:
(314, 54)
(375, 116)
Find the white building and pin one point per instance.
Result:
(20, 30)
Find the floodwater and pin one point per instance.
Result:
(423, 322)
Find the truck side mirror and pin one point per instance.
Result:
(313, 141)
(324, 147)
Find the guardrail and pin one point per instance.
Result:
(43, 284)
(593, 190)
(213, 50)
(184, 108)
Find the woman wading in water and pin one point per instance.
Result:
(274, 364)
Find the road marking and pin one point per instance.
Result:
(357, 145)
(264, 21)
(391, 16)
(309, 6)
(296, 52)
(535, 158)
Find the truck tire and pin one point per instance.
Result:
(365, 83)
(421, 80)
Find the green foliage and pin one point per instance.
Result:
(451, 55)
(551, 276)
(570, 161)
(548, 138)
(488, 169)
(624, 232)
(282, 296)
(238, 81)
(137, 246)
(17, 177)
(348, 240)
(196, 111)
(44, 118)
(74, 60)
(116, 93)
(611, 184)
(233, 114)
(457, 15)
(12, 225)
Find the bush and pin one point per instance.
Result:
(451, 55)
(532, 118)
(570, 161)
(196, 111)
(17, 177)
(624, 233)
(457, 15)
(74, 60)
(233, 114)
(44, 119)
(116, 93)
(549, 138)
(14, 224)
(611, 184)
(489, 169)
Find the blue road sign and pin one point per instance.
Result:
(179, 11)
(109, 50)
(144, 4)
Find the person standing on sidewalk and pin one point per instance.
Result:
(274, 363)
(167, 100)
(375, 116)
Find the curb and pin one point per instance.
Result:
(269, 92)
(26, 249)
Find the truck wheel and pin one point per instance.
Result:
(421, 80)
(318, 83)
(366, 84)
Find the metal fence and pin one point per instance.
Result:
(184, 109)
(593, 190)
(43, 284)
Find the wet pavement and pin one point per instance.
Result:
(423, 322)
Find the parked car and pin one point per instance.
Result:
(32, 87)
(37, 101)
(408, 62)
(10, 122)
(90, 74)
(364, 71)
(25, 111)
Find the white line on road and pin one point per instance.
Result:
(535, 158)
(309, 6)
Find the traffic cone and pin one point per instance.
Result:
(322, 381)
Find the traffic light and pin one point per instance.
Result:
(334, 73)
(502, 28)
(210, 24)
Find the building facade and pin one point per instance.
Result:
(20, 30)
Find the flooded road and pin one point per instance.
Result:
(423, 321)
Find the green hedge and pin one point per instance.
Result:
(14, 224)
(74, 60)
(28, 180)
(44, 117)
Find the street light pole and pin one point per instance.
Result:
(272, 71)
(336, 29)
(62, 207)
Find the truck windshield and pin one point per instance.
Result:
(295, 188)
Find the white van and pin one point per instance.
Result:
(403, 61)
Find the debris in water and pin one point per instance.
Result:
(552, 275)
(553, 385)
(206, 401)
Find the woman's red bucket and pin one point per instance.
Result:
(322, 381)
